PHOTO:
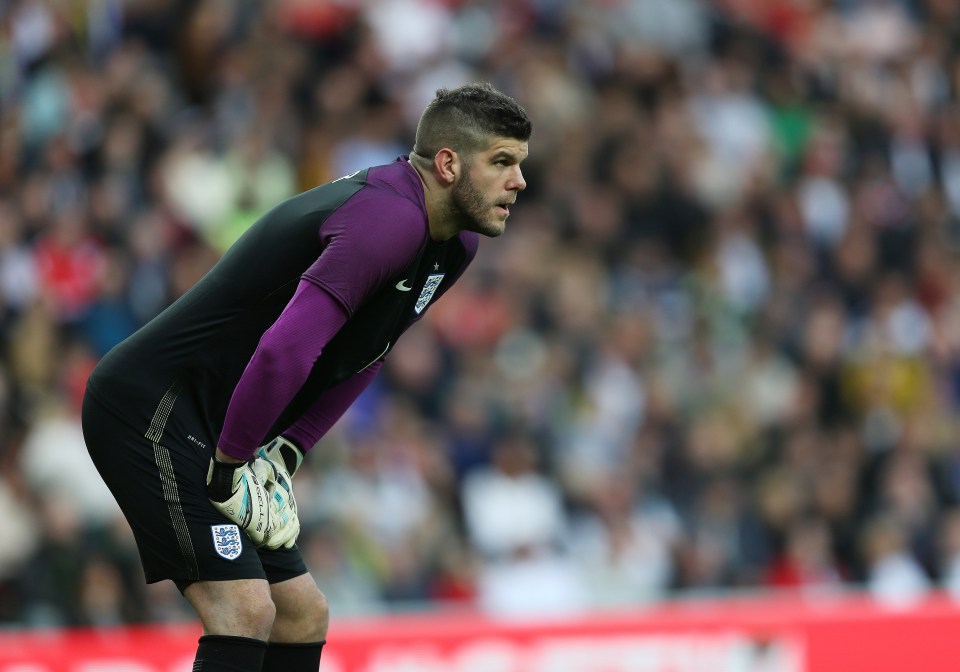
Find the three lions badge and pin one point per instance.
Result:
(226, 541)
(433, 282)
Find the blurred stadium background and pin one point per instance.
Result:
(716, 353)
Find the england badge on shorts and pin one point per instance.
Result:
(226, 541)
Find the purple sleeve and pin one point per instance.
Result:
(329, 407)
(279, 367)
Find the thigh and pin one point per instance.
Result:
(161, 489)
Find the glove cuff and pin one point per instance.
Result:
(220, 479)
(291, 454)
(286, 450)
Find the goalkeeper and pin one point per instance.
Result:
(198, 421)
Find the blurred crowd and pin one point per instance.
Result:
(718, 348)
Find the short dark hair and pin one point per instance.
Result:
(467, 118)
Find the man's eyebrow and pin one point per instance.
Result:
(504, 154)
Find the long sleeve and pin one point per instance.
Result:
(329, 407)
(282, 362)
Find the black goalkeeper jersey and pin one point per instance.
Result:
(363, 239)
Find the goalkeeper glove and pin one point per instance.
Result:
(283, 451)
(250, 495)
(286, 458)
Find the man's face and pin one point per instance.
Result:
(488, 186)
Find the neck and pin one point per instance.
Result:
(440, 222)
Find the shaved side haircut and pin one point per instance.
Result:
(467, 118)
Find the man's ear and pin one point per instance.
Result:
(448, 166)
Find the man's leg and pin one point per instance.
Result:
(162, 491)
(237, 617)
(300, 627)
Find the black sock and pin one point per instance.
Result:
(221, 653)
(293, 657)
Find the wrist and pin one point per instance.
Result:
(223, 458)
(220, 480)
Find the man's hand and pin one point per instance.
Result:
(251, 495)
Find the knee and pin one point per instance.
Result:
(242, 609)
(315, 617)
(255, 616)
(304, 620)
(322, 615)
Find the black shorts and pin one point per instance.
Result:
(161, 490)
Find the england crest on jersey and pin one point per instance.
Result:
(433, 281)
(227, 541)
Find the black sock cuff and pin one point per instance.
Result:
(293, 657)
(232, 640)
(226, 653)
(296, 645)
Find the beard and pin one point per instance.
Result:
(468, 206)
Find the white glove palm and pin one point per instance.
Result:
(258, 497)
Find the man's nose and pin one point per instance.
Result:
(517, 183)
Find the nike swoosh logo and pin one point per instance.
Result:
(402, 286)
